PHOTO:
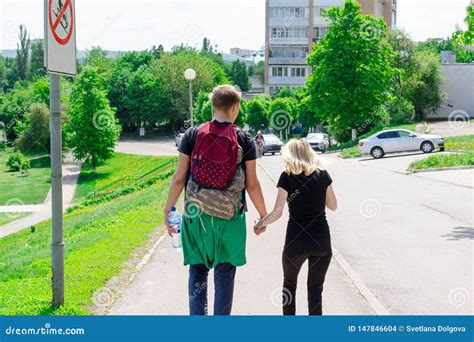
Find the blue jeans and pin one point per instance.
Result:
(224, 277)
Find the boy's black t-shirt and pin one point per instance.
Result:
(307, 203)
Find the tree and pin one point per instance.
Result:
(144, 99)
(281, 113)
(466, 37)
(240, 75)
(425, 86)
(98, 58)
(207, 46)
(93, 125)
(36, 134)
(169, 70)
(22, 53)
(256, 114)
(352, 71)
(36, 67)
(3, 75)
(258, 70)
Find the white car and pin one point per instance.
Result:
(178, 138)
(318, 141)
(400, 140)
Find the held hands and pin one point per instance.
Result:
(258, 227)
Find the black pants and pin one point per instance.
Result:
(318, 253)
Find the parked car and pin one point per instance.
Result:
(178, 138)
(271, 144)
(318, 141)
(400, 140)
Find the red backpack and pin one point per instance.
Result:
(214, 157)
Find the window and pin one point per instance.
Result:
(287, 12)
(320, 33)
(320, 11)
(283, 52)
(285, 32)
(389, 135)
(404, 134)
(298, 72)
(279, 72)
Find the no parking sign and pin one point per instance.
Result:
(60, 36)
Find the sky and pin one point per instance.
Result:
(139, 24)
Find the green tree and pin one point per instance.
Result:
(239, 75)
(466, 37)
(36, 134)
(258, 70)
(169, 70)
(93, 125)
(3, 75)
(352, 71)
(97, 57)
(281, 113)
(256, 114)
(36, 67)
(22, 53)
(425, 85)
(144, 99)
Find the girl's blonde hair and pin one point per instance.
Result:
(300, 158)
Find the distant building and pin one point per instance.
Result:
(292, 26)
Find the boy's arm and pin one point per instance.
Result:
(176, 187)
(253, 187)
(277, 212)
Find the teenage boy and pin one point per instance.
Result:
(217, 165)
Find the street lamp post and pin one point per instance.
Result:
(190, 75)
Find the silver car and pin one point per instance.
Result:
(400, 140)
(178, 138)
(318, 141)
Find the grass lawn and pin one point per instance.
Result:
(444, 160)
(30, 189)
(460, 143)
(10, 217)
(120, 166)
(99, 240)
(352, 152)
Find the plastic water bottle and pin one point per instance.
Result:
(174, 218)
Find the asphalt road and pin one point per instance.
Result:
(406, 240)
(408, 237)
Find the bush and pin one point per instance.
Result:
(3, 146)
(400, 110)
(36, 134)
(17, 162)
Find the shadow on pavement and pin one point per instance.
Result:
(460, 233)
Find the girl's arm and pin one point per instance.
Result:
(277, 212)
(331, 200)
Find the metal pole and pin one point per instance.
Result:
(57, 244)
(191, 102)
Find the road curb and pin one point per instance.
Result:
(458, 168)
(359, 284)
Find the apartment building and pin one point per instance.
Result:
(292, 26)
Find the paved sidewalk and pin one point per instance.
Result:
(43, 212)
(160, 288)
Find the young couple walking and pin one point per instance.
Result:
(218, 170)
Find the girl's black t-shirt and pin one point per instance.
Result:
(307, 204)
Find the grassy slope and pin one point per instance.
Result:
(444, 160)
(460, 143)
(31, 189)
(122, 165)
(99, 239)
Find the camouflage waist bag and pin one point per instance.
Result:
(218, 203)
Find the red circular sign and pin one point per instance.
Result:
(61, 20)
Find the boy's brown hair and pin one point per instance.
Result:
(224, 97)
